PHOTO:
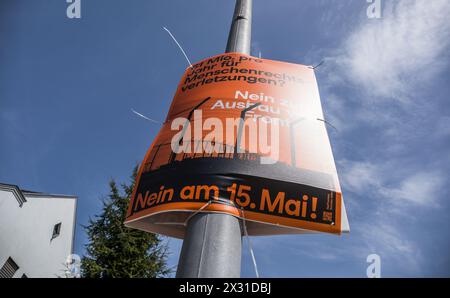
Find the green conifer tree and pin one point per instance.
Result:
(117, 251)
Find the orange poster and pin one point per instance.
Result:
(244, 136)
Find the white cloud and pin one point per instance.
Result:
(358, 177)
(378, 78)
(383, 238)
(442, 129)
(421, 189)
(386, 66)
(381, 229)
(392, 56)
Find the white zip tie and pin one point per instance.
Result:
(197, 211)
(326, 122)
(145, 117)
(204, 206)
(184, 53)
(249, 244)
(314, 67)
(255, 266)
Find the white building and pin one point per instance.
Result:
(36, 232)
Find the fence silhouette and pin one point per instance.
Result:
(162, 154)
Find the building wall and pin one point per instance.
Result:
(26, 232)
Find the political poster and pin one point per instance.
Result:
(247, 137)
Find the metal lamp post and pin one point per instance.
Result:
(213, 241)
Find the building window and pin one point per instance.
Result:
(56, 230)
(8, 269)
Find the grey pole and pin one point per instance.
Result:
(213, 241)
(240, 36)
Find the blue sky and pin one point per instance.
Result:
(67, 87)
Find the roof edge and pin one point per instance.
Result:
(16, 192)
(47, 195)
(27, 193)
